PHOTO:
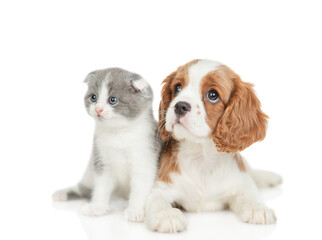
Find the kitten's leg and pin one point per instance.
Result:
(82, 190)
(160, 215)
(250, 209)
(102, 190)
(142, 178)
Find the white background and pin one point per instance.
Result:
(48, 47)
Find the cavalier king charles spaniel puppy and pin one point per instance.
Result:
(208, 115)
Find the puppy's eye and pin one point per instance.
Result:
(212, 96)
(113, 100)
(177, 89)
(93, 98)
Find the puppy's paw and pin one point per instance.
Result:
(257, 214)
(266, 179)
(170, 220)
(275, 180)
(134, 215)
(94, 210)
(60, 196)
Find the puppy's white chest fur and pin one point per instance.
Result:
(207, 178)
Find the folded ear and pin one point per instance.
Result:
(243, 121)
(166, 95)
(140, 85)
(89, 77)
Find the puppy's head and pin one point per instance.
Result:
(115, 96)
(205, 99)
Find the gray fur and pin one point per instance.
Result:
(119, 82)
(131, 100)
(94, 81)
(72, 195)
(120, 85)
(85, 191)
(97, 161)
(156, 138)
(81, 191)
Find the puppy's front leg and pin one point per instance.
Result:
(161, 216)
(250, 210)
(103, 188)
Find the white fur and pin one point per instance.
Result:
(130, 161)
(208, 180)
(131, 167)
(140, 84)
(101, 103)
(198, 70)
(193, 125)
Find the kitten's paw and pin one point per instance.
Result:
(134, 215)
(91, 209)
(60, 196)
(170, 220)
(257, 214)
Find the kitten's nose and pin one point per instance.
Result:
(181, 108)
(98, 110)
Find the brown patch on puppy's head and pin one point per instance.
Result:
(220, 82)
(167, 94)
(238, 120)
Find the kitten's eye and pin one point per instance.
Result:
(93, 98)
(177, 89)
(113, 100)
(212, 96)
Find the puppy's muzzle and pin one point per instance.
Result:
(181, 108)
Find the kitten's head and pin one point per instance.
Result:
(116, 95)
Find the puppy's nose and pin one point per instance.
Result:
(181, 108)
(98, 110)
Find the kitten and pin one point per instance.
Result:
(126, 145)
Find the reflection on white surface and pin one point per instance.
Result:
(213, 225)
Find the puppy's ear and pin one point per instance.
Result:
(140, 85)
(166, 95)
(243, 121)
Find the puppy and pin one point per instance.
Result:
(125, 146)
(207, 116)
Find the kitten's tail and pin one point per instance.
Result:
(79, 191)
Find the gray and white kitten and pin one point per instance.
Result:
(126, 145)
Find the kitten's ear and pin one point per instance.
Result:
(141, 86)
(89, 77)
